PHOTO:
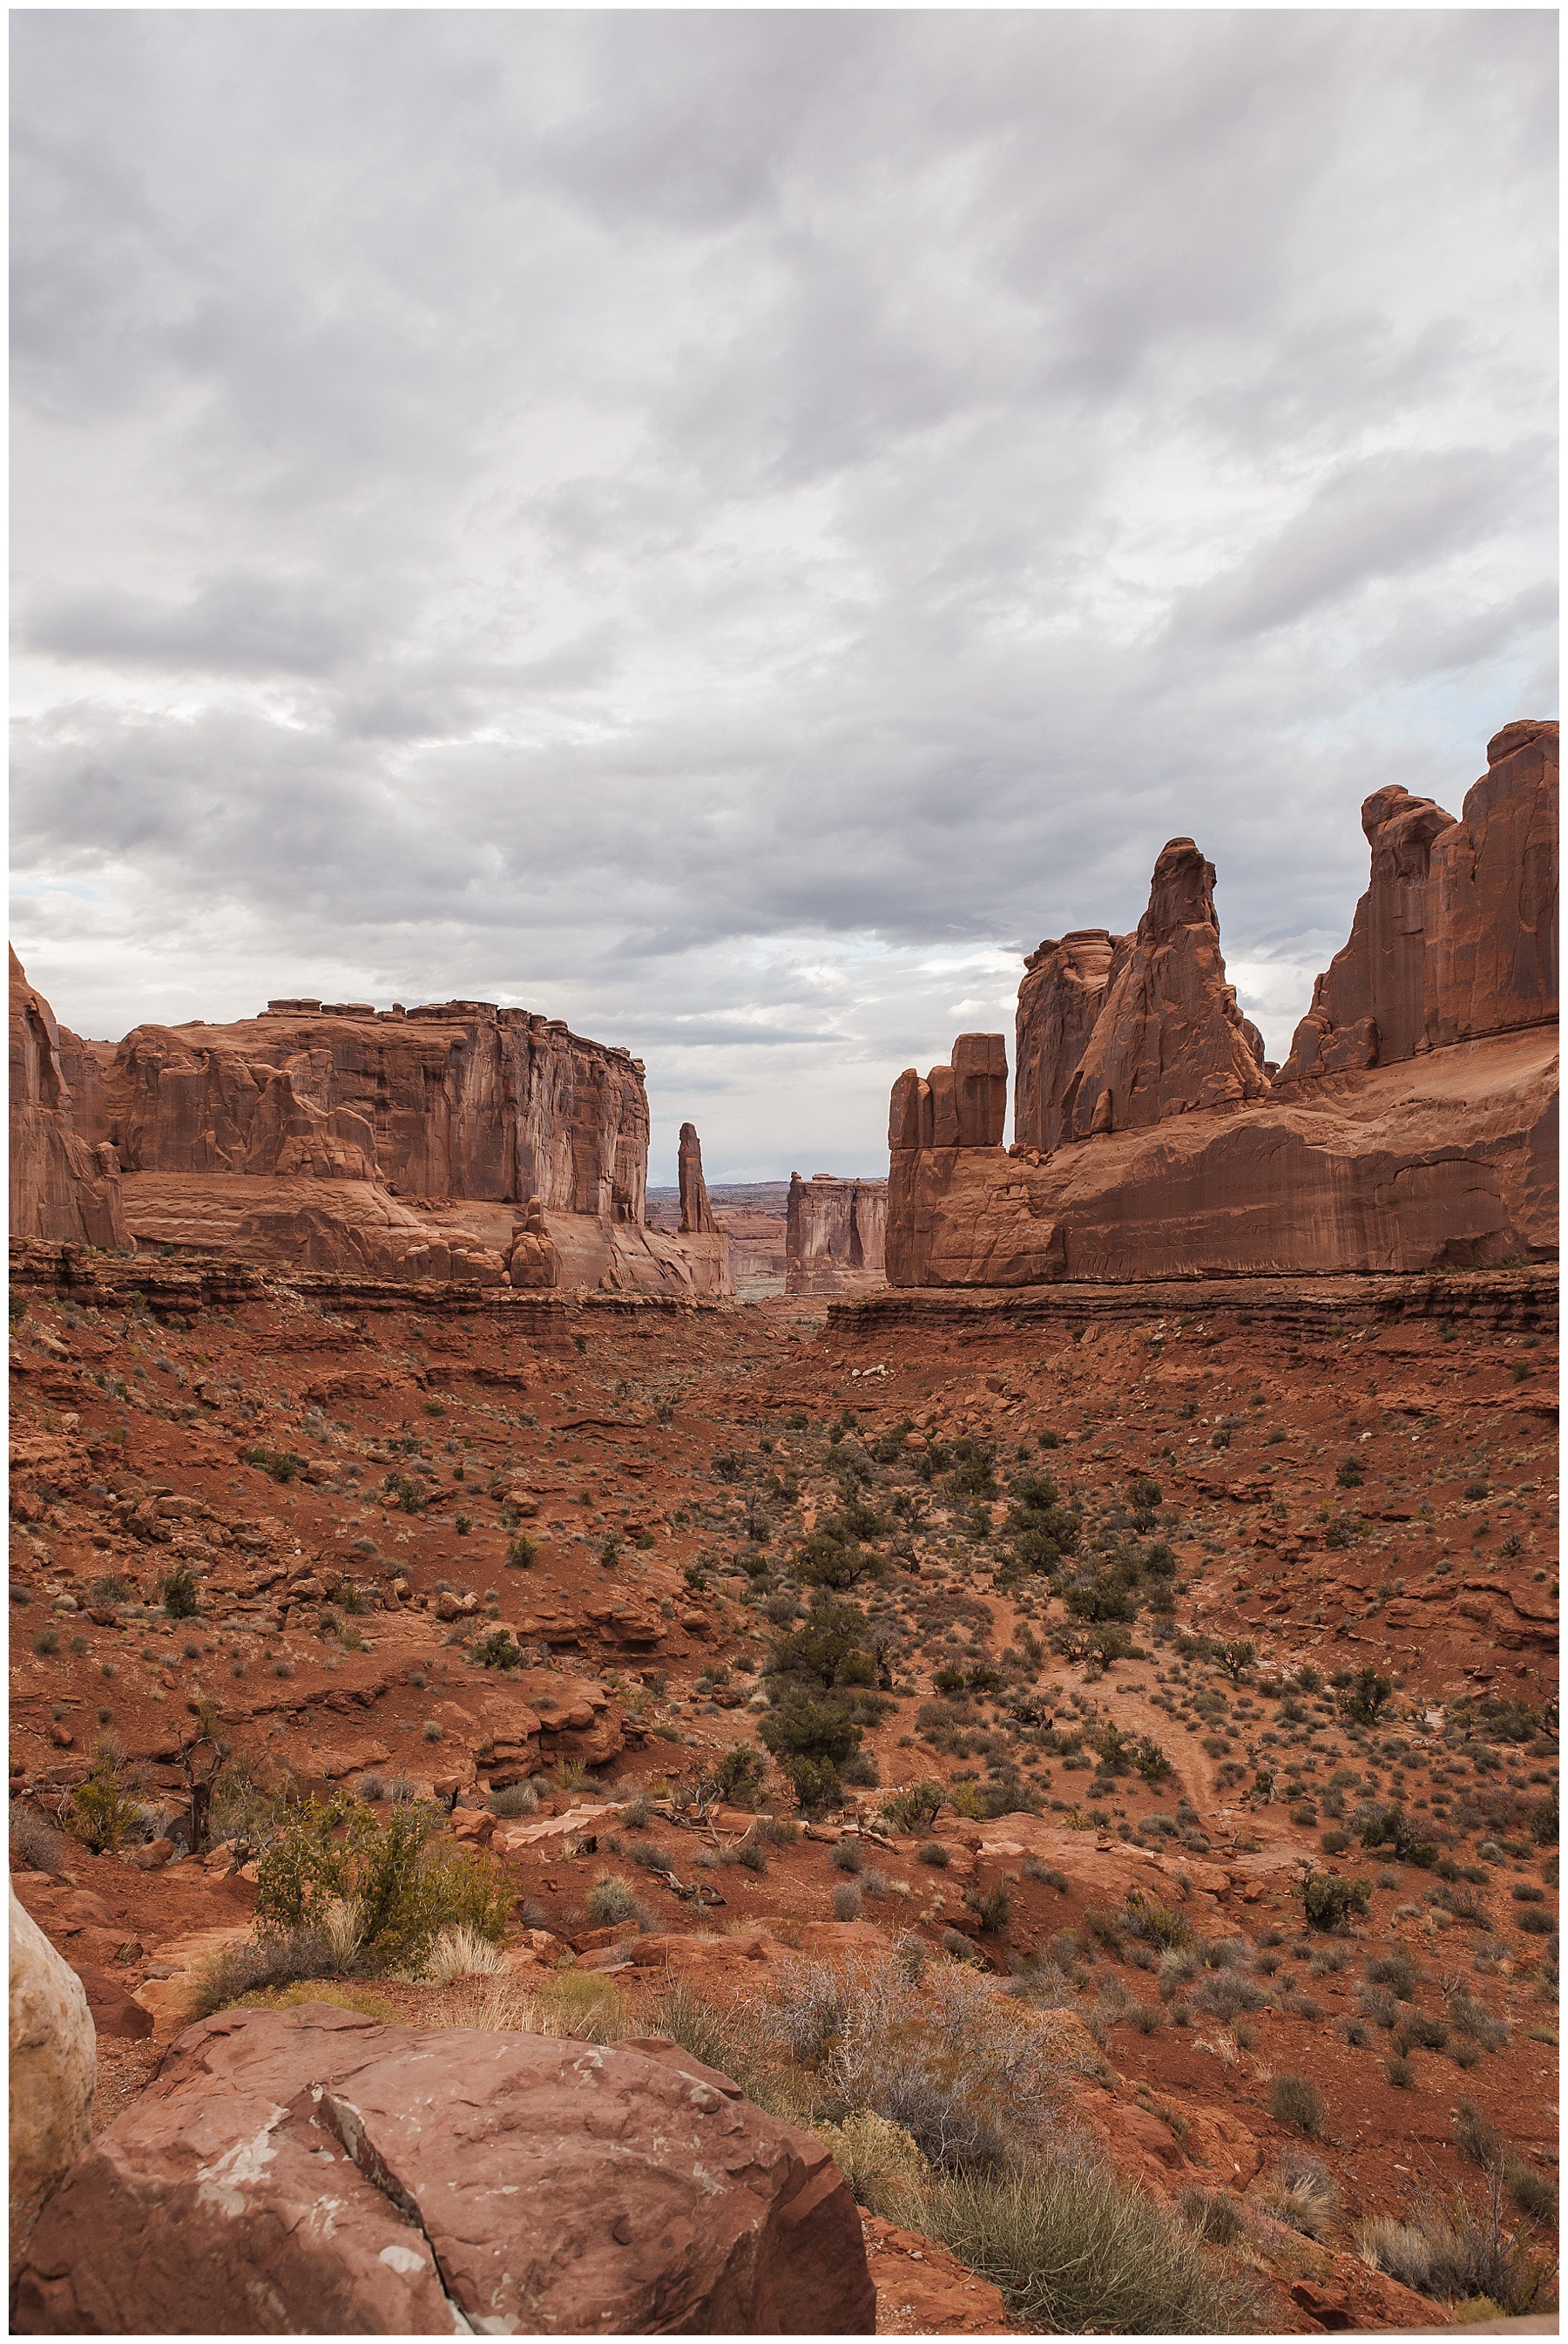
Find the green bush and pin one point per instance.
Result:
(913, 1807)
(522, 1552)
(402, 1891)
(102, 1811)
(1329, 1899)
(1363, 1701)
(180, 1592)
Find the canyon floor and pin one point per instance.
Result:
(1351, 1614)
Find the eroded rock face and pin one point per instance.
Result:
(63, 1184)
(835, 1236)
(1169, 1038)
(533, 1260)
(1456, 935)
(695, 1212)
(311, 2171)
(54, 2067)
(1058, 1002)
(456, 1099)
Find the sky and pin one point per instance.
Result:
(729, 529)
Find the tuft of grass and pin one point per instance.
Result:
(1293, 2100)
(1075, 2251)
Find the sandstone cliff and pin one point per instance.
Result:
(62, 1185)
(835, 1236)
(456, 1099)
(1456, 935)
(1413, 1125)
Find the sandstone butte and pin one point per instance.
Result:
(1412, 1125)
(835, 1235)
(456, 1142)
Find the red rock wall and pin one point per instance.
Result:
(836, 1233)
(1456, 936)
(62, 1186)
(460, 1100)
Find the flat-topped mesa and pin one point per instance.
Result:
(835, 1236)
(1456, 935)
(695, 1212)
(1168, 1037)
(454, 1100)
(64, 1184)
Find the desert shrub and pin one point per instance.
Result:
(846, 1856)
(1399, 2071)
(180, 1592)
(36, 1845)
(498, 1648)
(993, 1907)
(1458, 2248)
(1074, 2251)
(935, 1853)
(1364, 1699)
(1532, 2192)
(964, 2071)
(1418, 2031)
(102, 1811)
(254, 1966)
(1301, 2193)
(1294, 2100)
(846, 1901)
(1329, 1900)
(1393, 1969)
(404, 1893)
(1158, 1924)
(610, 1901)
(572, 2003)
(736, 1778)
(879, 2159)
(913, 1807)
(517, 1799)
(1535, 1923)
(1226, 1993)
(1473, 2138)
(1471, 2018)
(1213, 2214)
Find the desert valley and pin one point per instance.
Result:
(970, 1749)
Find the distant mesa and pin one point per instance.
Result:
(1412, 1125)
(456, 1141)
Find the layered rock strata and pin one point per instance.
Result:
(835, 1236)
(1414, 1126)
(313, 2171)
(64, 1184)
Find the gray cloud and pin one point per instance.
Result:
(730, 527)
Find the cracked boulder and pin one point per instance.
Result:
(310, 2170)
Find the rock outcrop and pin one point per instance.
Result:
(1456, 935)
(533, 1258)
(1169, 1039)
(63, 1184)
(835, 1236)
(1414, 1126)
(54, 2067)
(313, 2171)
(695, 1212)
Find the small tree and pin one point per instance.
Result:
(204, 1759)
(102, 1810)
(1237, 1657)
(1362, 1703)
(180, 1592)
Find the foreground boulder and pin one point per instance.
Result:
(312, 2172)
(54, 2066)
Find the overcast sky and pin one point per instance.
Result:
(728, 528)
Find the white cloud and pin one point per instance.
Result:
(731, 527)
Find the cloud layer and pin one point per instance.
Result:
(728, 527)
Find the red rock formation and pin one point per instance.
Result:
(1492, 963)
(695, 1212)
(311, 2171)
(456, 1099)
(1456, 936)
(1057, 1004)
(1418, 1142)
(1369, 1007)
(1169, 1038)
(62, 1185)
(1446, 1161)
(835, 1235)
(533, 1261)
